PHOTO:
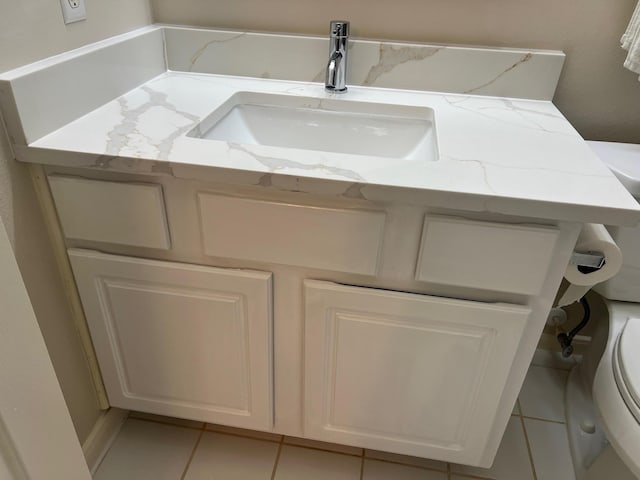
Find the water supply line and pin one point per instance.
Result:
(566, 339)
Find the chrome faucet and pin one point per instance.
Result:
(336, 76)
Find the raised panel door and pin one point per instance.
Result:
(180, 340)
(406, 373)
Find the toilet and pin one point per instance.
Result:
(603, 391)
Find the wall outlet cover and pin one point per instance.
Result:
(73, 11)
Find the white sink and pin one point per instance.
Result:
(328, 125)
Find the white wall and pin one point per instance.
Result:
(596, 93)
(29, 31)
(32, 30)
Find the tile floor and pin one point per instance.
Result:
(535, 447)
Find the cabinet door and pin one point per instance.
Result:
(406, 373)
(180, 340)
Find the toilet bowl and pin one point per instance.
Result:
(603, 391)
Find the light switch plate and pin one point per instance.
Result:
(73, 10)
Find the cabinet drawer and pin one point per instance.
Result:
(406, 373)
(180, 340)
(341, 240)
(491, 256)
(112, 212)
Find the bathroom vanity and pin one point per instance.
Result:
(386, 291)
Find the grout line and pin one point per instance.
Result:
(275, 464)
(526, 439)
(233, 434)
(203, 427)
(448, 471)
(470, 476)
(543, 419)
(413, 465)
(517, 407)
(562, 369)
(362, 466)
(193, 453)
(400, 462)
(243, 432)
(325, 450)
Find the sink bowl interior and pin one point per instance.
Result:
(329, 125)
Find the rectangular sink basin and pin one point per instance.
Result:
(327, 125)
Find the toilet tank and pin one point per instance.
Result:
(624, 161)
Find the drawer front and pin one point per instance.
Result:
(490, 256)
(123, 213)
(180, 340)
(406, 373)
(317, 237)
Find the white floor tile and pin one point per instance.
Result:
(232, 458)
(148, 450)
(550, 450)
(512, 460)
(406, 459)
(332, 447)
(160, 449)
(377, 470)
(542, 394)
(297, 463)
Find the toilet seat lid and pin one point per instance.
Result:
(628, 356)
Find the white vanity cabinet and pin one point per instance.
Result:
(180, 340)
(407, 373)
(291, 313)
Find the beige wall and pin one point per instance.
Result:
(596, 93)
(30, 31)
(34, 29)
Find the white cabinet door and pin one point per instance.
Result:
(180, 340)
(406, 373)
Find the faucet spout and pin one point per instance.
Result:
(336, 74)
(334, 68)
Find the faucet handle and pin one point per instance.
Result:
(339, 28)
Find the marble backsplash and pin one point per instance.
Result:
(531, 74)
(54, 91)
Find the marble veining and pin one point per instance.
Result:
(276, 164)
(452, 69)
(391, 56)
(498, 152)
(497, 155)
(524, 59)
(201, 50)
(149, 128)
(521, 117)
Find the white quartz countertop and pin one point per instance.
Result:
(509, 156)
